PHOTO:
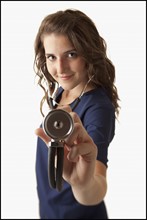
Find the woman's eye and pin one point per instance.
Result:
(50, 57)
(72, 55)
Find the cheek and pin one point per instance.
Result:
(81, 66)
(51, 69)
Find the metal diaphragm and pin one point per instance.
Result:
(58, 124)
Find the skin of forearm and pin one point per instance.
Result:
(93, 193)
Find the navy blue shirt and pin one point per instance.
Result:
(98, 117)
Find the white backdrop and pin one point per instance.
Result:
(122, 24)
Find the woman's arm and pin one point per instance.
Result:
(82, 171)
(95, 190)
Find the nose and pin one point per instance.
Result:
(61, 66)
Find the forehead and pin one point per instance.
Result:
(57, 42)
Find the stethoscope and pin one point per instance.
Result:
(58, 125)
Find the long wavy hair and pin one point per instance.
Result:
(83, 34)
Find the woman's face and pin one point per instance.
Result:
(64, 63)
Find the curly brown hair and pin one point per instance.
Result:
(84, 36)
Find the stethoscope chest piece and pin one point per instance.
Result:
(58, 125)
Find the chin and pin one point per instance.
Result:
(68, 86)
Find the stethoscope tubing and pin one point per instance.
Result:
(55, 173)
(56, 151)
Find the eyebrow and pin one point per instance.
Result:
(68, 51)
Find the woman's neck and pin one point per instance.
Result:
(68, 96)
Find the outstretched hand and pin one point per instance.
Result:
(79, 153)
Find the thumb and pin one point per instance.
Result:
(40, 133)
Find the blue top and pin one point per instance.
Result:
(98, 117)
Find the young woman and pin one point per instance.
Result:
(70, 52)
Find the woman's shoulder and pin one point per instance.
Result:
(97, 97)
(94, 103)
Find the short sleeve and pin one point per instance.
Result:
(100, 125)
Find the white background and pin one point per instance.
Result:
(122, 24)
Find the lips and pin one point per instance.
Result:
(66, 77)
